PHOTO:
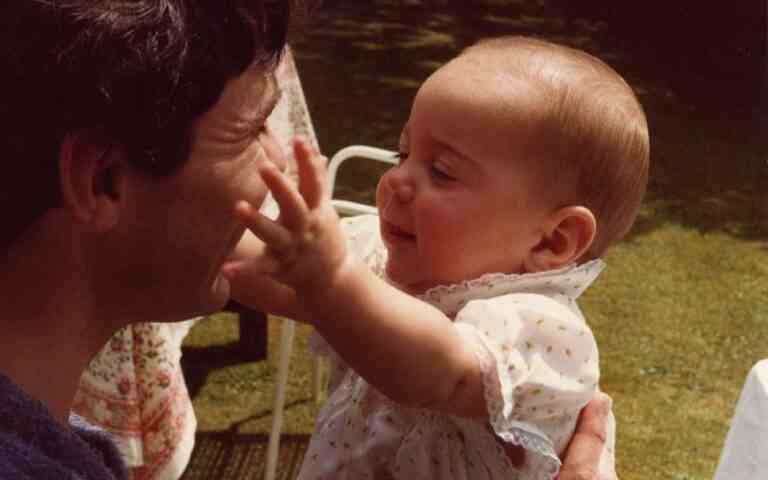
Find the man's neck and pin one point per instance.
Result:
(50, 324)
(45, 369)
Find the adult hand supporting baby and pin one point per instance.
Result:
(582, 458)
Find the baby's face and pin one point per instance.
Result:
(462, 203)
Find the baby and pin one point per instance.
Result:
(457, 347)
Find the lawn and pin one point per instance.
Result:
(681, 313)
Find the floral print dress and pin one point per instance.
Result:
(540, 365)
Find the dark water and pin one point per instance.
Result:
(697, 68)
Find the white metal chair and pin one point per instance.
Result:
(287, 331)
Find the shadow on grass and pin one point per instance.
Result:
(235, 427)
(362, 64)
(198, 362)
(242, 456)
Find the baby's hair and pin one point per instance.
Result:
(594, 141)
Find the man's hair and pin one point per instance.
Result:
(592, 141)
(141, 71)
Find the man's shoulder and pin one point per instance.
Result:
(33, 445)
(21, 461)
(101, 442)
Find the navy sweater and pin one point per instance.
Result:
(33, 445)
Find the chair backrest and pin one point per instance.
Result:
(364, 152)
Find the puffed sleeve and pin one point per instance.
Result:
(540, 367)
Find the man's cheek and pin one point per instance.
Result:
(250, 187)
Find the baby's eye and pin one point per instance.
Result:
(439, 174)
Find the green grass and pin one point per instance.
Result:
(237, 396)
(680, 317)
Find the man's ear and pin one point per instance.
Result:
(88, 171)
(569, 233)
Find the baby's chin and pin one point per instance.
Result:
(406, 281)
(396, 275)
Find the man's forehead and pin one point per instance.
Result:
(245, 103)
(255, 92)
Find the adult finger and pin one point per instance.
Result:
(582, 458)
(274, 235)
(293, 208)
(311, 172)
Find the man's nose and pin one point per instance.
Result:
(274, 151)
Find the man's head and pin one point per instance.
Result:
(138, 71)
(130, 127)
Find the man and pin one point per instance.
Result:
(129, 129)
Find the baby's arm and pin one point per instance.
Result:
(406, 348)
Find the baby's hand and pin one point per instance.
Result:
(305, 249)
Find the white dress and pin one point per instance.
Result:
(540, 365)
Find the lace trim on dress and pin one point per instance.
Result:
(497, 391)
(565, 284)
(546, 464)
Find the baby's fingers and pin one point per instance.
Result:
(312, 171)
(293, 208)
(256, 290)
(276, 236)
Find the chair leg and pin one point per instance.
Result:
(253, 334)
(286, 346)
(317, 378)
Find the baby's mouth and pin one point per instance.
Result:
(397, 233)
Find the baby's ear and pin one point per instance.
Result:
(569, 233)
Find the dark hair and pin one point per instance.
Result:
(139, 70)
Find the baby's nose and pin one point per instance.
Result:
(400, 185)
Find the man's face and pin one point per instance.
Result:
(182, 228)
